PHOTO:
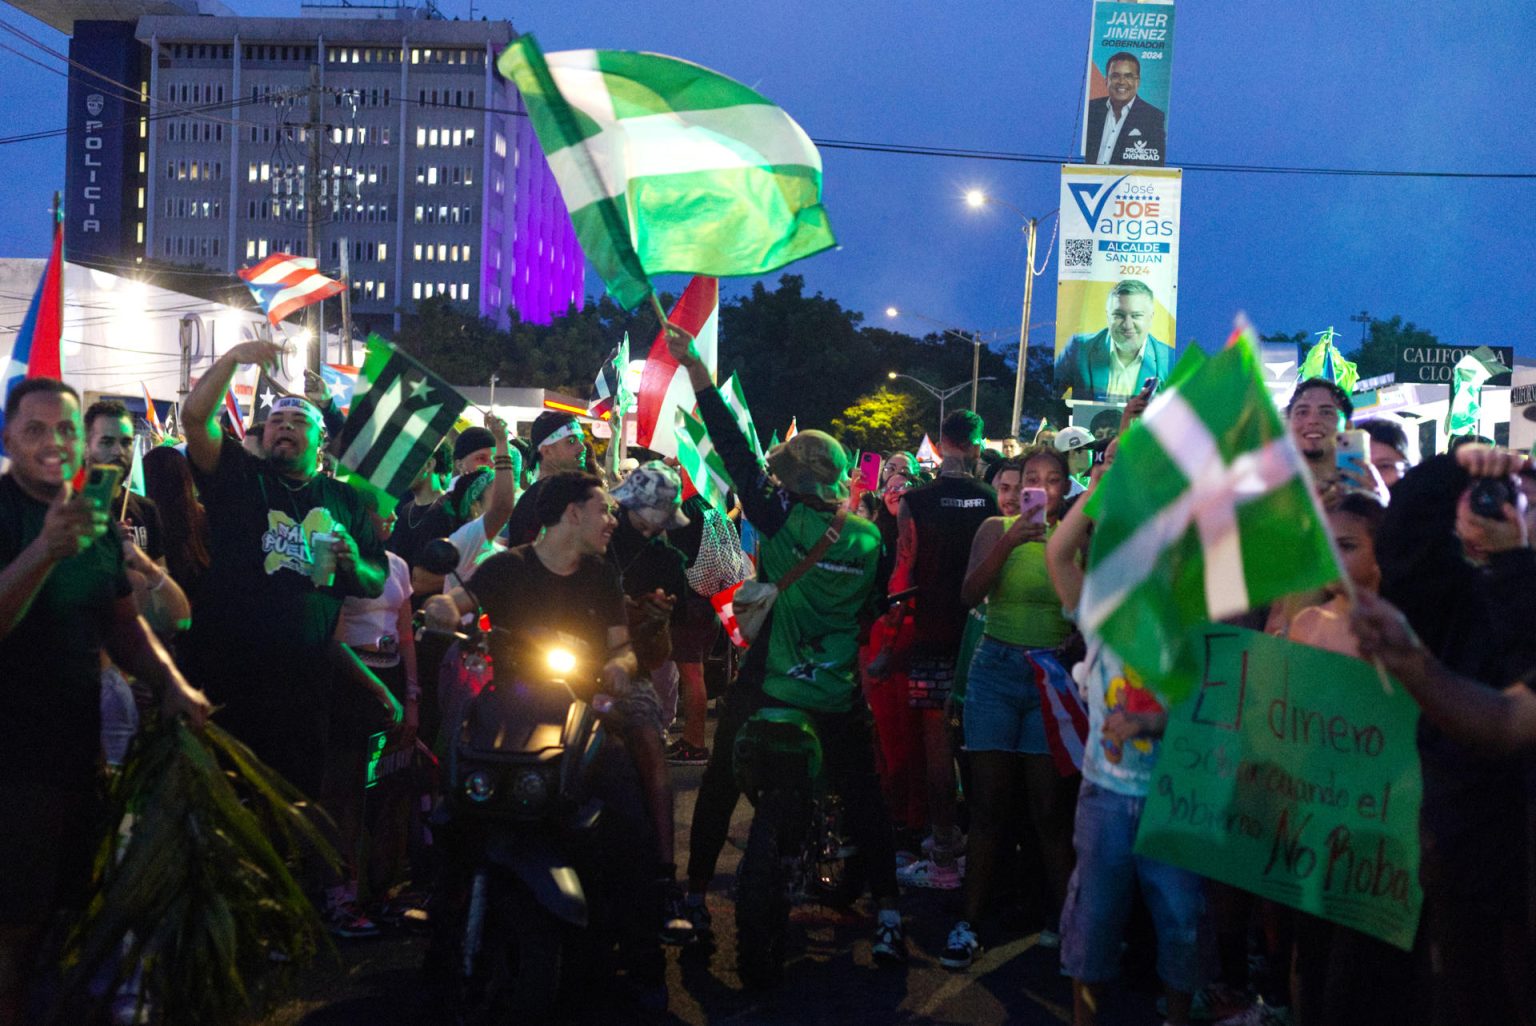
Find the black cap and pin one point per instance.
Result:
(472, 440)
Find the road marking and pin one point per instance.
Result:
(992, 959)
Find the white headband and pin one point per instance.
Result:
(563, 432)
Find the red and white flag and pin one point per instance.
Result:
(152, 415)
(236, 418)
(724, 603)
(283, 283)
(664, 386)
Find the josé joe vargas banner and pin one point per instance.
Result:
(1117, 280)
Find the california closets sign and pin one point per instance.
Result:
(1432, 365)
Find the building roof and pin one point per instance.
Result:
(62, 14)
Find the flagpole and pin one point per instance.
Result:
(58, 222)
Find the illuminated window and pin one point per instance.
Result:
(415, 290)
(421, 137)
(383, 254)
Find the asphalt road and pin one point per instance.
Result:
(830, 978)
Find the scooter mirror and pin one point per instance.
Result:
(439, 557)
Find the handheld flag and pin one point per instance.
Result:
(609, 394)
(1467, 379)
(400, 413)
(926, 453)
(736, 402)
(773, 439)
(136, 471)
(236, 418)
(705, 470)
(794, 428)
(670, 168)
(282, 284)
(340, 383)
(664, 386)
(35, 351)
(1206, 513)
(152, 415)
(1325, 361)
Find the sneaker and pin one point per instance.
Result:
(676, 924)
(962, 947)
(698, 915)
(890, 947)
(681, 753)
(1217, 1001)
(1048, 939)
(347, 920)
(929, 874)
(930, 845)
(904, 858)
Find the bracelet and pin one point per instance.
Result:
(502, 463)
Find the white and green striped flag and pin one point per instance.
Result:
(1469, 375)
(736, 402)
(1206, 513)
(697, 456)
(667, 167)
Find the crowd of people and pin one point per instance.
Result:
(927, 635)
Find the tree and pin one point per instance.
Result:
(881, 421)
(1378, 354)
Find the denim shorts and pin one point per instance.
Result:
(1002, 703)
(1104, 885)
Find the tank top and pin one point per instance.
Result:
(1023, 608)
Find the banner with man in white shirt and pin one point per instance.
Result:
(1130, 57)
(1117, 280)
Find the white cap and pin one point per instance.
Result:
(1071, 438)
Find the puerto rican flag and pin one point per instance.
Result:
(236, 418)
(664, 386)
(725, 609)
(1066, 720)
(282, 284)
(36, 348)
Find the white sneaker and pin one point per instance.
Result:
(962, 947)
(930, 874)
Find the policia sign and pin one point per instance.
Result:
(1432, 365)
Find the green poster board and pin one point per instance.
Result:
(1291, 774)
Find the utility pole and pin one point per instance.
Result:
(346, 306)
(1363, 318)
(1029, 295)
(312, 131)
(976, 370)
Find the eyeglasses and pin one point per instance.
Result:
(897, 487)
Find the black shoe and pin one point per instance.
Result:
(681, 753)
(677, 927)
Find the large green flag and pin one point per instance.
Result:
(667, 167)
(1205, 514)
(697, 456)
(1467, 380)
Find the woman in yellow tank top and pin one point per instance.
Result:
(1005, 734)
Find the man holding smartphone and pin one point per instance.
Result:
(64, 600)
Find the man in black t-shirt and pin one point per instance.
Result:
(64, 599)
(110, 439)
(935, 527)
(261, 642)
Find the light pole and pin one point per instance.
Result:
(974, 340)
(976, 198)
(941, 394)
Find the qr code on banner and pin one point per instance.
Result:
(1079, 252)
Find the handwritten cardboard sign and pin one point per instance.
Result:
(1289, 773)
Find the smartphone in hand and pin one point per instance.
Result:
(1032, 502)
(101, 483)
(869, 471)
(1352, 451)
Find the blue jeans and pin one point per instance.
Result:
(1002, 703)
(1103, 886)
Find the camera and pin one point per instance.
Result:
(1489, 495)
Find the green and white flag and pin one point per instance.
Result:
(1469, 375)
(736, 402)
(670, 168)
(400, 413)
(1206, 513)
(697, 456)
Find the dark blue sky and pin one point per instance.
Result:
(1367, 84)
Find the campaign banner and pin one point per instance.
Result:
(1130, 57)
(1433, 365)
(1117, 280)
(1289, 773)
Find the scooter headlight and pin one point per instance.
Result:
(479, 786)
(561, 660)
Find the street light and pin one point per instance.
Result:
(976, 199)
(975, 341)
(941, 394)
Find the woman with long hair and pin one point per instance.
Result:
(168, 484)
